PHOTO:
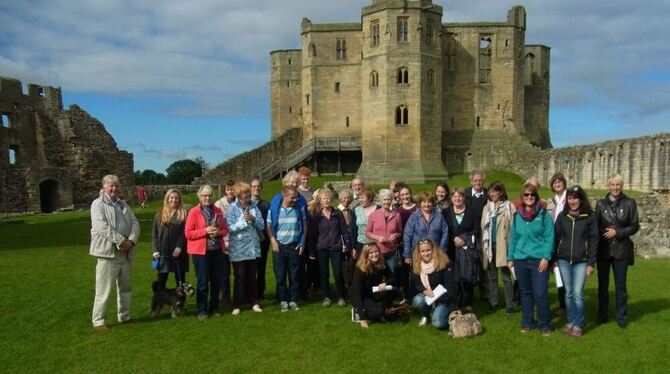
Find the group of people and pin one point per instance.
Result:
(384, 249)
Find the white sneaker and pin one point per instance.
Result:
(326, 301)
(341, 302)
(236, 312)
(284, 306)
(293, 305)
(354, 316)
(257, 308)
(423, 321)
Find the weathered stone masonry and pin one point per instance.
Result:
(52, 158)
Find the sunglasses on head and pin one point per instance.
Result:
(424, 241)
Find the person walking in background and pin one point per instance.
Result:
(223, 204)
(328, 238)
(576, 231)
(286, 228)
(168, 239)
(558, 186)
(205, 229)
(263, 206)
(495, 227)
(618, 221)
(114, 234)
(372, 290)
(245, 222)
(530, 249)
(463, 246)
(142, 196)
(384, 227)
(431, 269)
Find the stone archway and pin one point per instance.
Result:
(49, 198)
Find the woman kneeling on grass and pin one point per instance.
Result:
(577, 249)
(432, 274)
(371, 293)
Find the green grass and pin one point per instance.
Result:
(48, 283)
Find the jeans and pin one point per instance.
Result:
(287, 262)
(246, 284)
(335, 257)
(389, 258)
(620, 269)
(574, 277)
(208, 268)
(534, 289)
(440, 317)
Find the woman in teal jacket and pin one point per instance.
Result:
(531, 248)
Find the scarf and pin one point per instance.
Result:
(559, 204)
(487, 233)
(529, 214)
(426, 269)
(208, 213)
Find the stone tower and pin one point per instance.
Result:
(400, 73)
(285, 90)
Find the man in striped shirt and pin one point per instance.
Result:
(286, 228)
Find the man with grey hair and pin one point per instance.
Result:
(357, 186)
(114, 234)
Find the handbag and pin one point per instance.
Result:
(463, 325)
(156, 263)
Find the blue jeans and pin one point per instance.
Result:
(534, 289)
(574, 277)
(208, 269)
(287, 261)
(440, 317)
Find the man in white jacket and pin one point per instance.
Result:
(114, 234)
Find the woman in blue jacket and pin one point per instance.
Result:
(531, 247)
(576, 249)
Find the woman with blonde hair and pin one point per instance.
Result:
(327, 240)
(372, 291)
(432, 272)
(168, 240)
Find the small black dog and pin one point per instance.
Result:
(174, 297)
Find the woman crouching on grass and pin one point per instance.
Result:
(432, 269)
(371, 293)
(577, 249)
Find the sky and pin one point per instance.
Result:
(181, 79)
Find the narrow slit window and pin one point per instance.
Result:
(5, 120)
(337, 86)
(12, 155)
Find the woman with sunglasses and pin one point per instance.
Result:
(577, 236)
(432, 269)
(530, 249)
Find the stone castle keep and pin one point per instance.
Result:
(52, 158)
(404, 83)
(403, 95)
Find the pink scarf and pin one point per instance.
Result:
(426, 269)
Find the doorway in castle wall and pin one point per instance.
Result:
(49, 196)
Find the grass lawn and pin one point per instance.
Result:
(48, 283)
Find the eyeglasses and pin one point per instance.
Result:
(203, 195)
(529, 195)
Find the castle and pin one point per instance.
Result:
(412, 90)
(50, 158)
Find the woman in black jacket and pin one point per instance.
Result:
(168, 240)
(432, 269)
(576, 249)
(618, 221)
(463, 251)
(371, 288)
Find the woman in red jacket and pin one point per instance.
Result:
(205, 229)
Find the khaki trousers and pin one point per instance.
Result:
(107, 272)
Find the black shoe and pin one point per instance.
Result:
(510, 311)
(622, 325)
(493, 308)
(601, 320)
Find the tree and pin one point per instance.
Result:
(184, 171)
(149, 177)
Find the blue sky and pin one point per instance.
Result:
(174, 79)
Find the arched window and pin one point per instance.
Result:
(430, 78)
(401, 115)
(341, 49)
(403, 75)
(374, 79)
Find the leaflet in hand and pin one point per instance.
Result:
(376, 289)
(559, 279)
(437, 293)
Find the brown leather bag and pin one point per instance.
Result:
(463, 325)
